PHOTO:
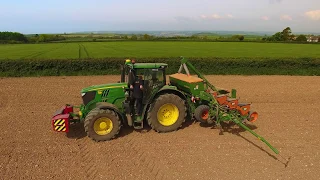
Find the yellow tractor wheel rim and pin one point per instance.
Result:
(168, 114)
(103, 126)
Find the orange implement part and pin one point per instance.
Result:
(243, 109)
(221, 99)
(205, 115)
(253, 116)
(214, 93)
(232, 103)
(186, 78)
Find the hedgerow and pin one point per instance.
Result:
(111, 66)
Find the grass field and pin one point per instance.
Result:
(156, 49)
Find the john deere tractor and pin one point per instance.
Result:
(166, 104)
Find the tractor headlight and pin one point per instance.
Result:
(82, 94)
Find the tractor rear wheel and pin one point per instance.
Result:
(102, 124)
(201, 113)
(167, 113)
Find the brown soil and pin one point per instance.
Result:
(289, 118)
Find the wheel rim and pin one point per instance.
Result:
(103, 126)
(168, 114)
(205, 114)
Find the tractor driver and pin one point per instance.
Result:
(137, 87)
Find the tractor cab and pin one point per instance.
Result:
(153, 78)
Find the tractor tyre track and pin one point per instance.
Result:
(8, 160)
(36, 54)
(89, 160)
(135, 145)
(85, 50)
(79, 52)
(83, 53)
(3, 101)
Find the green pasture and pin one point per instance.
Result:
(157, 49)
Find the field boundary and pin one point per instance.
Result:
(208, 66)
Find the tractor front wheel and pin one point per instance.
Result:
(167, 113)
(102, 125)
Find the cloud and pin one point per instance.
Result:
(286, 17)
(216, 16)
(229, 15)
(203, 16)
(265, 18)
(314, 15)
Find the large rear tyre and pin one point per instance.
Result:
(102, 125)
(167, 113)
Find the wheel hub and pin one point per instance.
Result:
(168, 114)
(103, 126)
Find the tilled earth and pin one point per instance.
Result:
(288, 108)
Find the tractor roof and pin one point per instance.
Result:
(149, 65)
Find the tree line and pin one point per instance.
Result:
(286, 35)
(177, 37)
(16, 38)
(12, 37)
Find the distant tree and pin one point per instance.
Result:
(234, 37)
(43, 38)
(286, 34)
(241, 38)
(146, 36)
(292, 37)
(319, 39)
(134, 37)
(125, 37)
(194, 37)
(277, 36)
(12, 37)
(301, 38)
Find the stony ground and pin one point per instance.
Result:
(289, 118)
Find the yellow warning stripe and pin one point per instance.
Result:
(62, 122)
(59, 122)
(61, 127)
(56, 122)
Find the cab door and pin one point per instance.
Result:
(153, 82)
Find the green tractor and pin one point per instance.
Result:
(166, 103)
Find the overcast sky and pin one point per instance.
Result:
(55, 16)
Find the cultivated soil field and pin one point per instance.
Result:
(289, 119)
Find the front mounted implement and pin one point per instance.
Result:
(63, 117)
